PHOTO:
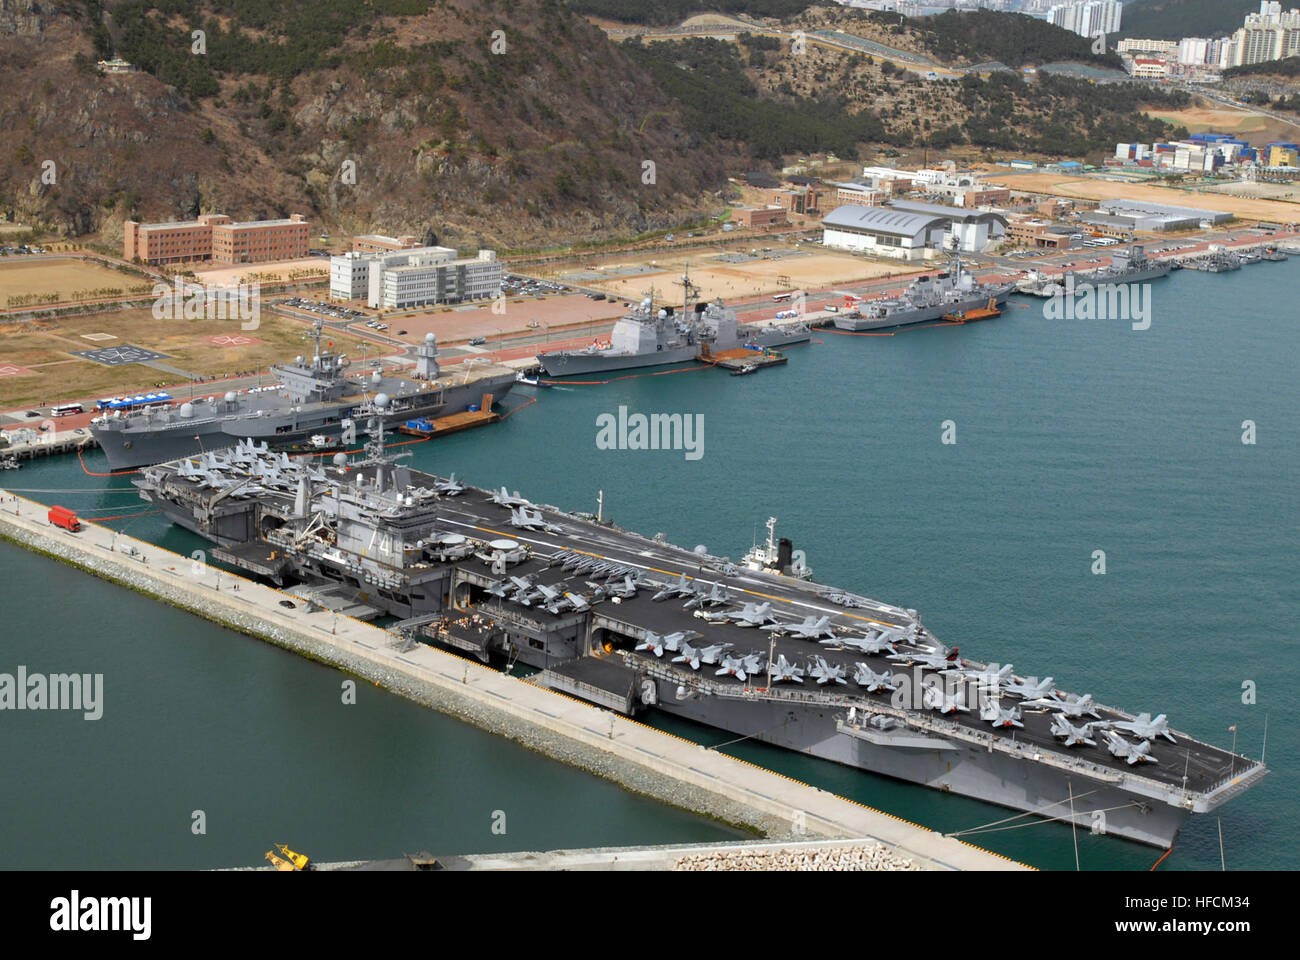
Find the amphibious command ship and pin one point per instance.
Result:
(315, 398)
(634, 623)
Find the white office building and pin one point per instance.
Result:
(415, 277)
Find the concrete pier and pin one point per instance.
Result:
(640, 758)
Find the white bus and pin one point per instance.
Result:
(781, 298)
(68, 410)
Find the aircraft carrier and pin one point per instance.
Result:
(314, 398)
(634, 623)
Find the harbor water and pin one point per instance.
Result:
(1076, 442)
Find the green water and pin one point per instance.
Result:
(1072, 436)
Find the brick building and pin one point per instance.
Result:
(215, 237)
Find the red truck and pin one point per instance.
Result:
(65, 518)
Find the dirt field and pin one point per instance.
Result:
(46, 350)
(26, 275)
(1067, 185)
(812, 269)
(229, 276)
(1216, 118)
(553, 313)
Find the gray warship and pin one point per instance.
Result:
(926, 298)
(314, 399)
(647, 337)
(1129, 265)
(635, 624)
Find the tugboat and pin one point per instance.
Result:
(777, 556)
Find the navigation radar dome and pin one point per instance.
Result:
(340, 460)
(230, 396)
(430, 338)
(702, 550)
(298, 360)
(381, 400)
(187, 410)
(376, 377)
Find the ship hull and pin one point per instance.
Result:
(903, 318)
(567, 363)
(128, 449)
(963, 769)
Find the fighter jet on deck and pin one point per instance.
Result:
(873, 682)
(1073, 707)
(449, 487)
(826, 672)
(999, 717)
(504, 499)
(753, 615)
(943, 702)
(1134, 753)
(682, 588)
(1032, 688)
(1062, 727)
(875, 643)
(520, 517)
(783, 669)
(693, 658)
(740, 667)
(811, 628)
(714, 598)
(1146, 728)
(940, 659)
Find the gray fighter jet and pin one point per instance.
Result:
(1133, 753)
(880, 642)
(783, 669)
(1033, 688)
(1146, 728)
(826, 672)
(693, 658)
(1072, 706)
(940, 659)
(682, 588)
(753, 615)
(811, 628)
(871, 681)
(935, 699)
(740, 667)
(1062, 727)
(504, 499)
(714, 598)
(520, 517)
(449, 487)
(999, 717)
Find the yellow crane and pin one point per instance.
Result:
(288, 861)
(299, 860)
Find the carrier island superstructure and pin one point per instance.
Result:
(634, 623)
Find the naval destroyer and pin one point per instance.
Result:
(314, 399)
(954, 290)
(647, 337)
(635, 624)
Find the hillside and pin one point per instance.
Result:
(541, 143)
(1175, 19)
